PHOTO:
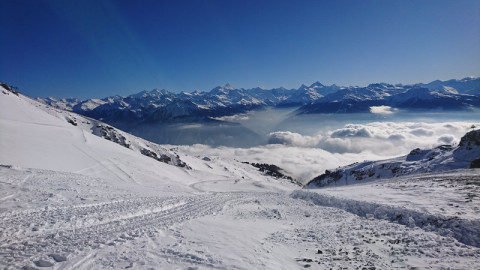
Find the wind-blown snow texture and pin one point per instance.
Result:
(77, 196)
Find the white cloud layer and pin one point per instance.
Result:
(293, 139)
(382, 138)
(233, 118)
(381, 109)
(305, 157)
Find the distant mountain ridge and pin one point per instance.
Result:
(165, 106)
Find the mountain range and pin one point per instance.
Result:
(167, 107)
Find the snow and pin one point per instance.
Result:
(70, 199)
(446, 204)
(41, 139)
(92, 104)
(425, 191)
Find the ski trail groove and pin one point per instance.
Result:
(30, 235)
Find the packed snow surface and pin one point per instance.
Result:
(70, 199)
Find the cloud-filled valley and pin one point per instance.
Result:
(305, 157)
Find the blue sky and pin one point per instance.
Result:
(98, 48)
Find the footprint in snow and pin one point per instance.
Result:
(43, 263)
(58, 257)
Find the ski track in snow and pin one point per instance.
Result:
(35, 234)
(32, 235)
(110, 166)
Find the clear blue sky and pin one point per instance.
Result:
(99, 48)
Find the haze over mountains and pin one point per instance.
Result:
(163, 106)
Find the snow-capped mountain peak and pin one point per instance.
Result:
(317, 84)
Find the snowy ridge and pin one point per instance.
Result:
(469, 85)
(441, 158)
(361, 99)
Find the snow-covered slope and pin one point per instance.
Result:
(441, 158)
(39, 136)
(442, 202)
(18, 108)
(469, 85)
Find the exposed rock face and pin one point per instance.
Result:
(470, 140)
(475, 164)
(273, 171)
(12, 89)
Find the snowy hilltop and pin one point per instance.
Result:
(442, 158)
(165, 106)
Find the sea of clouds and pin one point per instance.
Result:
(305, 157)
